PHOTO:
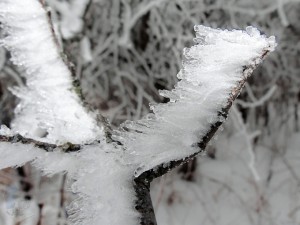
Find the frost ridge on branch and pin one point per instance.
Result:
(213, 71)
(49, 107)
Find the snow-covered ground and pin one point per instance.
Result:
(226, 192)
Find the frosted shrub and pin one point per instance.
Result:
(112, 169)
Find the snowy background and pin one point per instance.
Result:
(123, 53)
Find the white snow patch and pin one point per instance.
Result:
(225, 191)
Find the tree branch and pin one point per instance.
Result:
(146, 207)
(67, 147)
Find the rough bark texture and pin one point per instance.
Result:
(144, 203)
(67, 147)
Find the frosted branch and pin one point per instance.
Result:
(129, 21)
(248, 141)
(259, 102)
(17, 138)
(71, 13)
(50, 108)
(214, 72)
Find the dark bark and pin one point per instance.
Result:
(143, 203)
(67, 147)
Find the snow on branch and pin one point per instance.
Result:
(16, 150)
(67, 147)
(214, 71)
(49, 106)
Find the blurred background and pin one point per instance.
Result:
(123, 52)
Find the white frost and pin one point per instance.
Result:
(49, 107)
(104, 188)
(211, 69)
(16, 154)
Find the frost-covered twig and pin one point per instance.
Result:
(281, 13)
(71, 14)
(242, 128)
(214, 72)
(259, 102)
(67, 147)
(130, 20)
(212, 78)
